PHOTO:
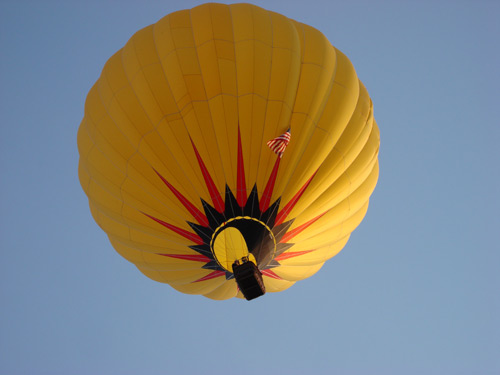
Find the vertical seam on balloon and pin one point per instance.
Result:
(208, 105)
(268, 166)
(342, 157)
(335, 148)
(210, 110)
(283, 103)
(153, 126)
(231, 161)
(188, 92)
(174, 51)
(179, 111)
(314, 120)
(346, 167)
(222, 98)
(240, 162)
(274, 170)
(252, 98)
(205, 90)
(137, 152)
(294, 100)
(276, 129)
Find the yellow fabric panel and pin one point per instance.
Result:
(223, 147)
(197, 79)
(105, 201)
(165, 246)
(317, 255)
(84, 177)
(227, 290)
(340, 212)
(183, 277)
(204, 61)
(96, 165)
(181, 163)
(268, 67)
(347, 145)
(297, 273)
(131, 254)
(107, 224)
(164, 263)
(202, 287)
(122, 102)
(141, 235)
(275, 285)
(141, 65)
(323, 234)
(311, 147)
(342, 187)
(103, 131)
(137, 163)
(157, 83)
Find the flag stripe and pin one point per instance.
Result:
(278, 144)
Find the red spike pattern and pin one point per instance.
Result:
(241, 196)
(289, 235)
(202, 219)
(268, 191)
(290, 205)
(291, 254)
(271, 274)
(184, 233)
(241, 187)
(212, 189)
(193, 257)
(211, 275)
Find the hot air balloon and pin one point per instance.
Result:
(227, 150)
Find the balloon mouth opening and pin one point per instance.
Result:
(243, 236)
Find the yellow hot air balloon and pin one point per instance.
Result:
(227, 150)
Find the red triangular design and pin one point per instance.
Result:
(202, 219)
(184, 233)
(212, 189)
(193, 257)
(268, 191)
(241, 187)
(290, 205)
(211, 275)
(270, 273)
(291, 254)
(288, 236)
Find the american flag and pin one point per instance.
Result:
(279, 144)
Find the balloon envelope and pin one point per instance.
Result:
(174, 153)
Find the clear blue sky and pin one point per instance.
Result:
(415, 291)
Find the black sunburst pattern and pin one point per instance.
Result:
(262, 224)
